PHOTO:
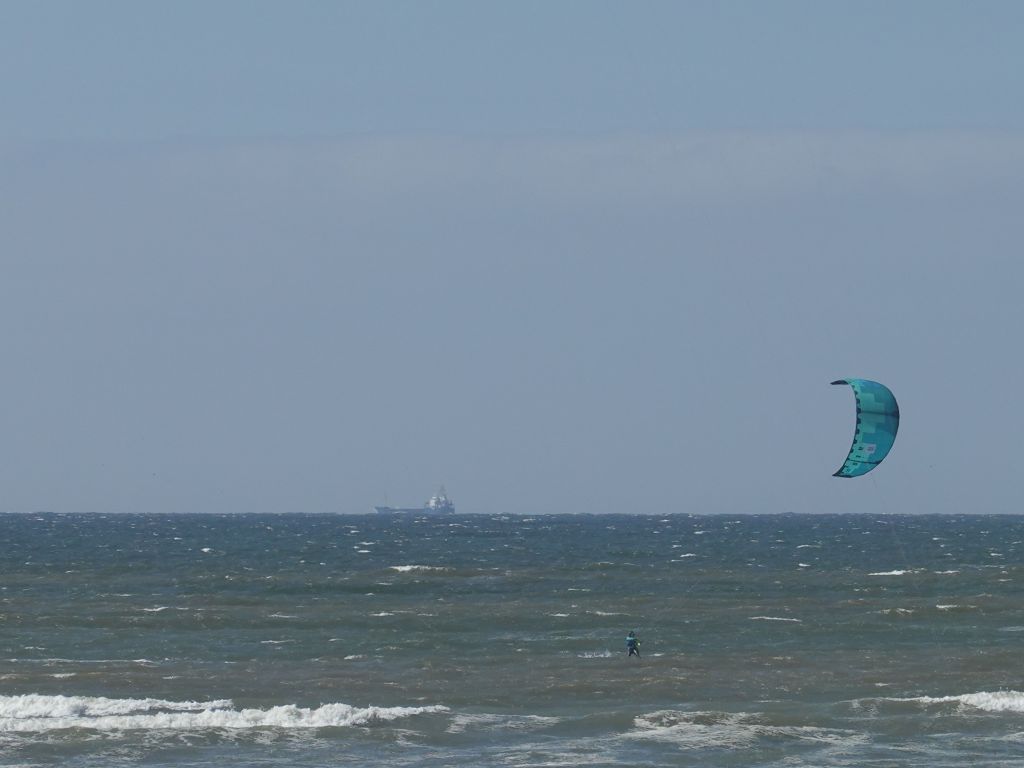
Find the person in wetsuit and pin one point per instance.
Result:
(633, 644)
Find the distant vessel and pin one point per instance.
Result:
(438, 504)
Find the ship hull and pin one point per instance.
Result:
(412, 511)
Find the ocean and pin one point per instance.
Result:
(314, 640)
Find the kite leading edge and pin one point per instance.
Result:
(878, 418)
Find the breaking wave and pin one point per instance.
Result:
(420, 568)
(987, 701)
(730, 730)
(38, 713)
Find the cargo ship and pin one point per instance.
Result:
(438, 504)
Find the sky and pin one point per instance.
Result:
(557, 256)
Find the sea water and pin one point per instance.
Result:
(303, 640)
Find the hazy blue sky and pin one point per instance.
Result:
(560, 256)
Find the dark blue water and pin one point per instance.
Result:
(299, 640)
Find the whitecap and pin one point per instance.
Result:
(35, 705)
(408, 568)
(494, 722)
(34, 713)
(888, 573)
(728, 730)
(987, 701)
(773, 618)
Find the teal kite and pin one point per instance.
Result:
(878, 418)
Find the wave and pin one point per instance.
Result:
(48, 662)
(987, 701)
(495, 722)
(34, 713)
(423, 568)
(730, 730)
(772, 618)
(162, 608)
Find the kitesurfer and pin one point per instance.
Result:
(633, 644)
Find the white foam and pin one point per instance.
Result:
(889, 573)
(595, 655)
(38, 706)
(987, 701)
(729, 730)
(408, 568)
(492, 722)
(37, 713)
(772, 618)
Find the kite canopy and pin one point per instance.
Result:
(878, 418)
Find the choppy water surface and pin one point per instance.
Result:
(306, 640)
